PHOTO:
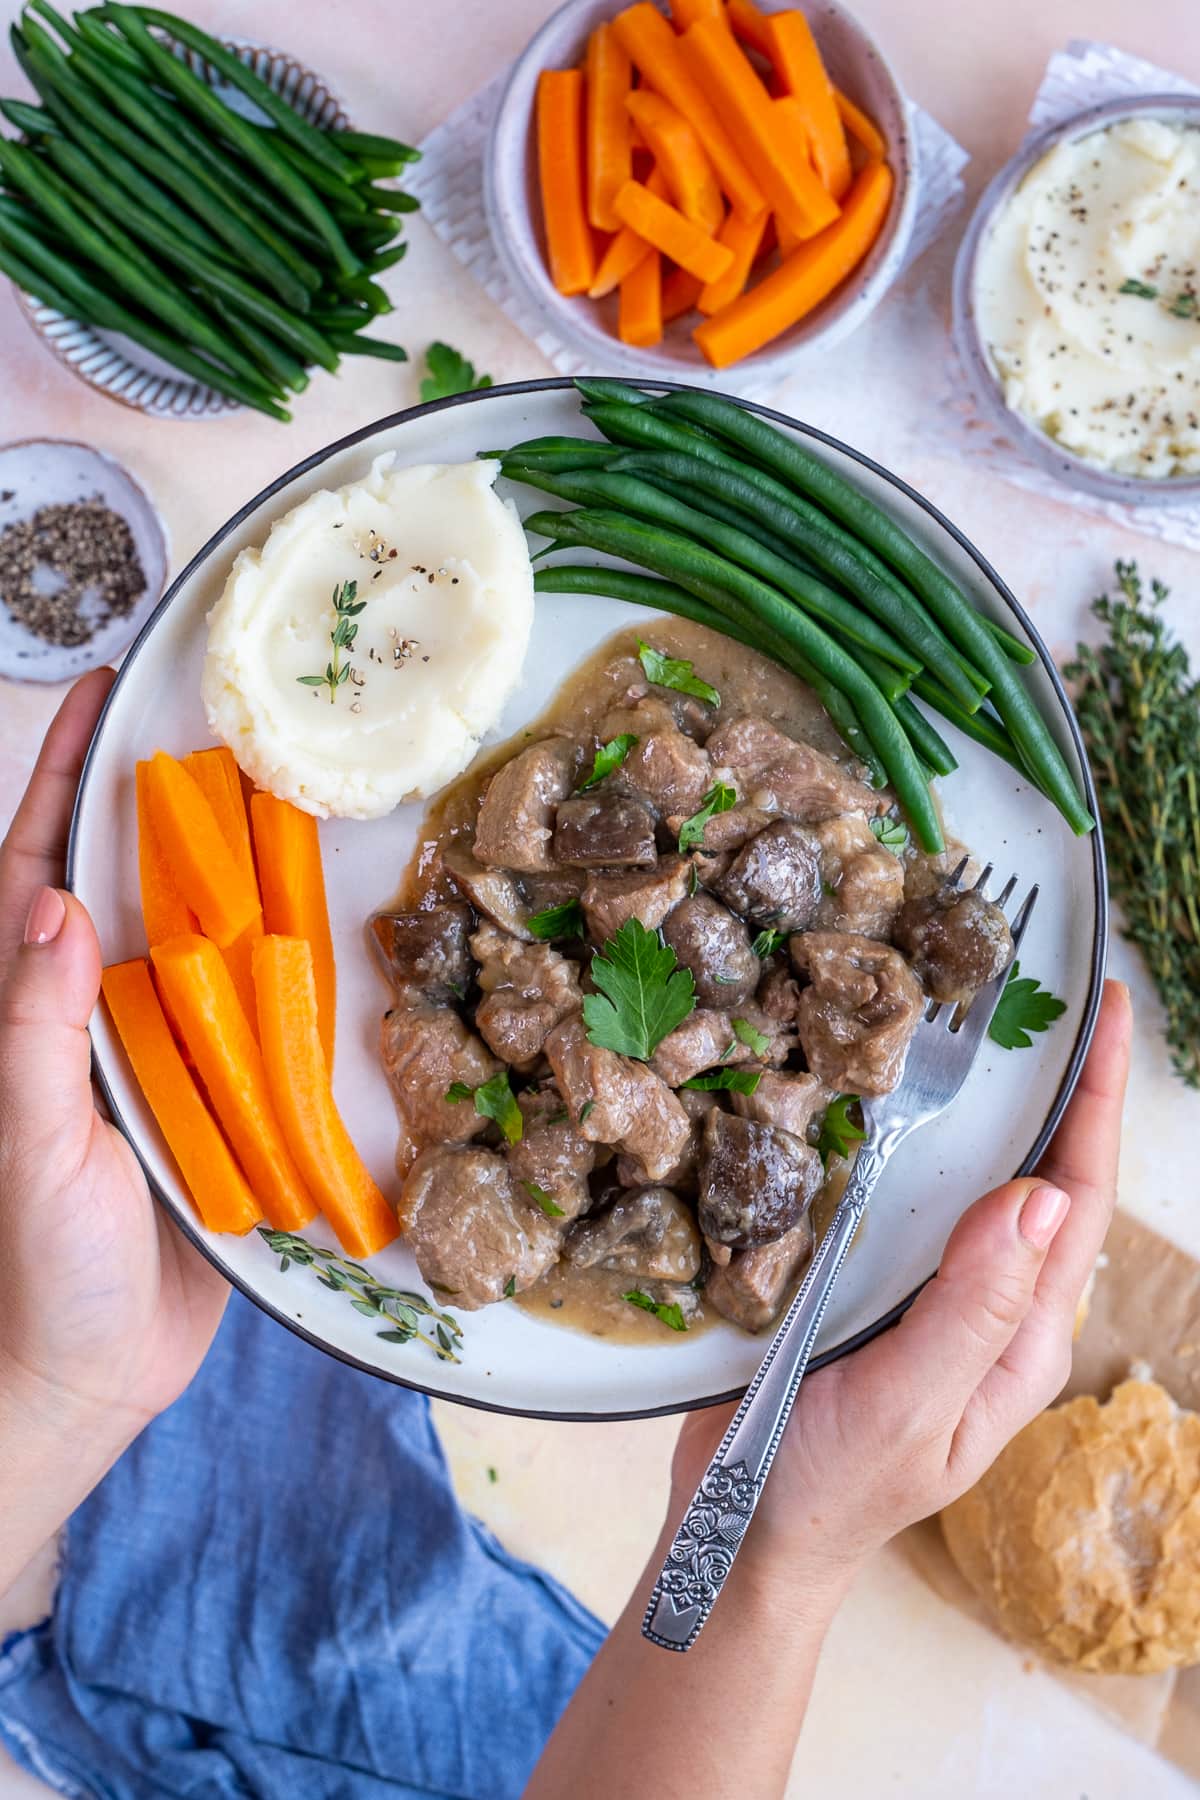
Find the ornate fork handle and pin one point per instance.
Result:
(710, 1536)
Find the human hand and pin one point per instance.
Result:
(900, 1428)
(105, 1310)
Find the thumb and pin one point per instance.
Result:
(49, 989)
(967, 1316)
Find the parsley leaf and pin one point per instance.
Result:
(671, 1315)
(838, 1130)
(1185, 305)
(1024, 1007)
(449, 373)
(736, 1081)
(719, 799)
(544, 1200)
(610, 756)
(1142, 289)
(564, 921)
(768, 942)
(642, 997)
(892, 834)
(675, 672)
(745, 1033)
(510, 1287)
(493, 1099)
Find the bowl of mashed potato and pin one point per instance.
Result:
(1077, 300)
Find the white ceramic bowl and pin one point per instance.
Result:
(511, 1360)
(975, 355)
(856, 65)
(112, 363)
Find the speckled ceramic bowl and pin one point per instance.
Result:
(974, 354)
(856, 65)
(112, 363)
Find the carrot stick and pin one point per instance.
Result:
(749, 24)
(609, 160)
(667, 229)
(202, 997)
(743, 237)
(658, 56)
(298, 1079)
(293, 891)
(679, 153)
(860, 126)
(804, 280)
(569, 247)
(798, 64)
(216, 774)
(165, 912)
(626, 250)
(733, 88)
(219, 892)
(639, 315)
(217, 1186)
(686, 12)
(680, 292)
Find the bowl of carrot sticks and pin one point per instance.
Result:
(727, 185)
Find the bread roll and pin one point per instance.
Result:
(1083, 1538)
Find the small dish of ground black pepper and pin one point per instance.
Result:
(83, 559)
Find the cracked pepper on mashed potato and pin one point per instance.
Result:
(358, 657)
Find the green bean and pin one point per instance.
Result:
(117, 255)
(187, 149)
(216, 277)
(929, 744)
(351, 344)
(390, 200)
(603, 388)
(361, 287)
(369, 143)
(54, 280)
(626, 493)
(341, 318)
(32, 120)
(717, 581)
(984, 726)
(237, 131)
(1013, 648)
(387, 259)
(306, 137)
(380, 168)
(944, 598)
(665, 596)
(66, 31)
(557, 454)
(267, 352)
(370, 233)
(107, 43)
(892, 683)
(744, 521)
(770, 503)
(337, 187)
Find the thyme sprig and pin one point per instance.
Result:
(400, 1310)
(347, 607)
(1138, 705)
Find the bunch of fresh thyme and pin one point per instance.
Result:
(399, 1310)
(1139, 709)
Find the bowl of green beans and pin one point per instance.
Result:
(191, 224)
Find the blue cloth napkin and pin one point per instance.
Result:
(274, 1593)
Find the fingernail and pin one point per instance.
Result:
(46, 916)
(1042, 1216)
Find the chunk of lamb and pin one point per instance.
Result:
(715, 946)
(859, 1011)
(725, 831)
(666, 765)
(551, 1154)
(474, 1232)
(776, 878)
(649, 1234)
(777, 773)
(683, 1174)
(516, 818)
(956, 942)
(493, 892)
(624, 1101)
(749, 1289)
(756, 1181)
(527, 989)
(789, 1101)
(426, 950)
(700, 1043)
(649, 895)
(606, 830)
(863, 882)
(779, 993)
(424, 1049)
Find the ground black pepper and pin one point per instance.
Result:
(68, 570)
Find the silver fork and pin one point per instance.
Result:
(939, 1059)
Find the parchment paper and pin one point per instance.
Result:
(1145, 1310)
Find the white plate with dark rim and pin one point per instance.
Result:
(512, 1361)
